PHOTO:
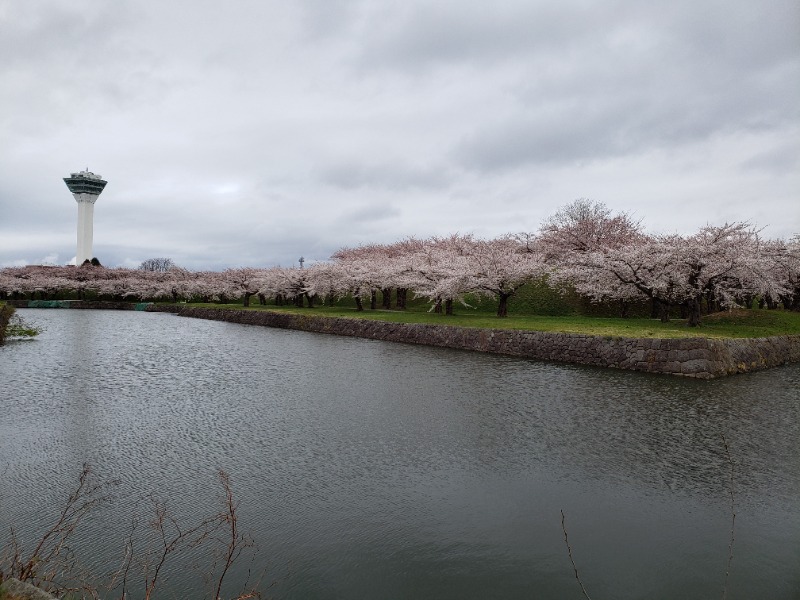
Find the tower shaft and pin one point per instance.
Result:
(85, 230)
(85, 187)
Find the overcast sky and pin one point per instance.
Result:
(251, 132)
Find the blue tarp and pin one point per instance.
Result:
(48, 303)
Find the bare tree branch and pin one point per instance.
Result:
(572, 560)
(51, 555)
(53, 566)
(733, 519)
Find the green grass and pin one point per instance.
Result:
(735, 324)
(6, 595)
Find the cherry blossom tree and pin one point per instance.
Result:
(791, 299)
(584, 246)
(627, 272)
(725, 263)
(721, 265)
(573, 241)
(405, 256)
(438, 270)
(784, 261)
(284, 284)
(500, 267)
(586, 226)
(243, 282)
(323, 280)
(160, 265)
(361, 273)
(450, 268)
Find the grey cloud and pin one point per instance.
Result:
(567, 135)
(603, 125)
(20, 203)
(65, 63)
(594, 108)
(329, 19)
(254, 132)
(781, 158)
(422, 34)
(64, 35)
(595, 80)
(368, 214)
(395, 177)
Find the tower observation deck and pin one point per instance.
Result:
(85, 183)
(85, 187)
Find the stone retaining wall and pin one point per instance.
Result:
(690, 357)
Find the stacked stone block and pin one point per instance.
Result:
(688, 357)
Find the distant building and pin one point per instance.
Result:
(85, 187)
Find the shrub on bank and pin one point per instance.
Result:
(13, 326)
(6, 313)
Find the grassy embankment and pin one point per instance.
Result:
(738, 323)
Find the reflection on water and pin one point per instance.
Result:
(374, 470)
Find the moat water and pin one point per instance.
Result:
(367, 469)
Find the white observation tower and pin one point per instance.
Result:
(85, 187)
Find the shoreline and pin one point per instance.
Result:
(696, 357)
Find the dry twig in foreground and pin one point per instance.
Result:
(572, 560)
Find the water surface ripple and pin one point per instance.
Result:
(368, 469)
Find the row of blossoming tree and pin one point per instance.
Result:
(584, 247)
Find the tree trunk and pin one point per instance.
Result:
(684, 307)
(448, 306)
(262, 299)
(655, 309)
(437, 307)
(247, 298)
(623, 309)
(373, 299)
(711, 302)
(401, 297)
(310, 300)
(359, 304)
(502, 307)
(663, 311)
(695, 311)
(386, 294)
